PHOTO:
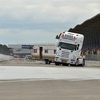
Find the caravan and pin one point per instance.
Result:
(44, 52)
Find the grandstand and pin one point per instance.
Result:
(91, 30)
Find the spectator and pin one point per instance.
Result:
(98, 51)
(94, 51)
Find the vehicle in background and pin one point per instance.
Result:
(69, 47)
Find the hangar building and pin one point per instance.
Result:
(21, 50)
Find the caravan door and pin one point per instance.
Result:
(40, 49)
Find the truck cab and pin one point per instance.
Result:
(69, 49)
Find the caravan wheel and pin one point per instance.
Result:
(49, 62)
(46, 61)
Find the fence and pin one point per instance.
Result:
(93, 57)
(91, 54)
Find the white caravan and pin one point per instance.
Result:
(44, 52)
(69, 49)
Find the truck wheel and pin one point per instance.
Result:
(65, 64)
(83, 64)
(77, 63)
(56, 63)
(72, 64)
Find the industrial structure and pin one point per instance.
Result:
(20, 49)
(91, 31)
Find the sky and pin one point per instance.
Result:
(39, 21)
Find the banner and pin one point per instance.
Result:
(27, 46)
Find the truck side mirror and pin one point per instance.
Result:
(57, 37)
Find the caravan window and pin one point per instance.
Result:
(46, 51)
(54, 51)
(35, 50)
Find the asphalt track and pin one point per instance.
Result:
(37, 81)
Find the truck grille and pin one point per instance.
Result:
(65, 54)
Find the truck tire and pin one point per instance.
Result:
(83, 64)
(65, 64)
(77, 63)
(72, 64)
(56, 63)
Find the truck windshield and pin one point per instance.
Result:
(67, 46)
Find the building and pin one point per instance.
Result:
(20, 50)
(91, 31)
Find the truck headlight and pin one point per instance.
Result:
(73, 60)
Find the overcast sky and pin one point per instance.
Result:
(35, 21)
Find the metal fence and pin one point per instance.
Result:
(91, 54)
(93, 57)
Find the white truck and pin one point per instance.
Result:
(69, 47)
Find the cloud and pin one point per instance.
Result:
(13, 36)
(19, 18)
(47, 11)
